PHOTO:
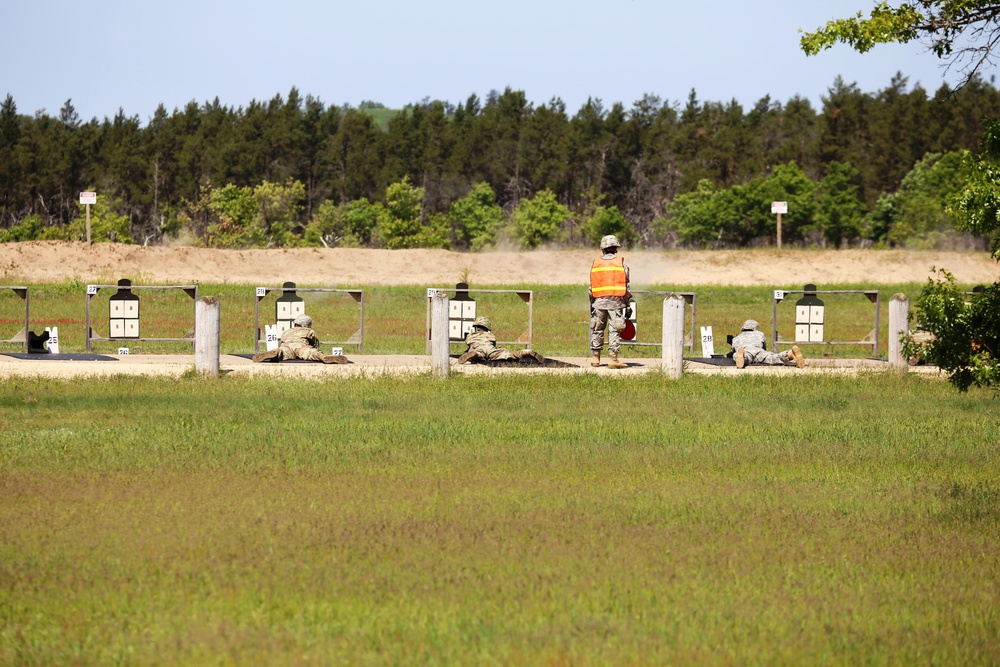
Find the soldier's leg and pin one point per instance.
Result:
(616, 323)
(790, 357)
(615, 327)
(529, 354)
(765, 358)
(267, 355)
(598, 323)
(475, 353)
(500, 354)
(309, 353)
(278, 354)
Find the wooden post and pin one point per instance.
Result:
(206, 336)
(899, 310)
(440, 361)
(673, 336)
(779, 231)
(88, 223)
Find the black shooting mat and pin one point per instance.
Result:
(526, 362)
(288, 361)
(42, 356)
(713, 361)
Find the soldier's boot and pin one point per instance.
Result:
(269, 355)
(800, 360)
(536, 356)
(740, 357)
(596, 360)
(334, 359)
(614, 363)
(466, 358)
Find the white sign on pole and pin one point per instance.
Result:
(88, 197)
(707, 342)
(779, 207)
(272, 337)
(53, 342)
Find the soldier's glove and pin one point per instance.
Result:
(628, 312)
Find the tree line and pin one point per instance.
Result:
(865, 168)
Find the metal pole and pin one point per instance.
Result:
(88, 223)
(673, 336)
(440, 361)
(87, 332)
(27, 319)
(899, 308)
(256, 323)
(878, 310)
(427, 325)
(774, 326)
(206, 336)
(361, 341)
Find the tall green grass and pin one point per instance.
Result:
(499, 520)
(396, 317)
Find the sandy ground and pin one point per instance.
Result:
(105, 263)
(53, 261)
(377, 365)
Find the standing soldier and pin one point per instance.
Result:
(483, 346)
(609, 297)
(299, 342)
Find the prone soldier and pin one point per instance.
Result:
(299, 342)
(750, 347)
(482, 344)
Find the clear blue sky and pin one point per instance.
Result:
(134, 55)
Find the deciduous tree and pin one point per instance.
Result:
(476, 218)
(539, 219)
(963, 32)
(966, 331)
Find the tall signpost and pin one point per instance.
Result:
(88, 198)
(779, 207)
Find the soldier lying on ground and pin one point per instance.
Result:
(483, 346)
(300, 342)
(750, 347)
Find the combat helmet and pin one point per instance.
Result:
(483, 322)
(303, 320)
(610, 241)
(750, 325)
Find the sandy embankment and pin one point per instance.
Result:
(104, 263)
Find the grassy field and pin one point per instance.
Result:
(500, 520)
(395, 317)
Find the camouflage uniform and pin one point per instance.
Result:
(754, 346)
(483, 345)
(299, 343)
(607, 310)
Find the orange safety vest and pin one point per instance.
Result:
(607, 277)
